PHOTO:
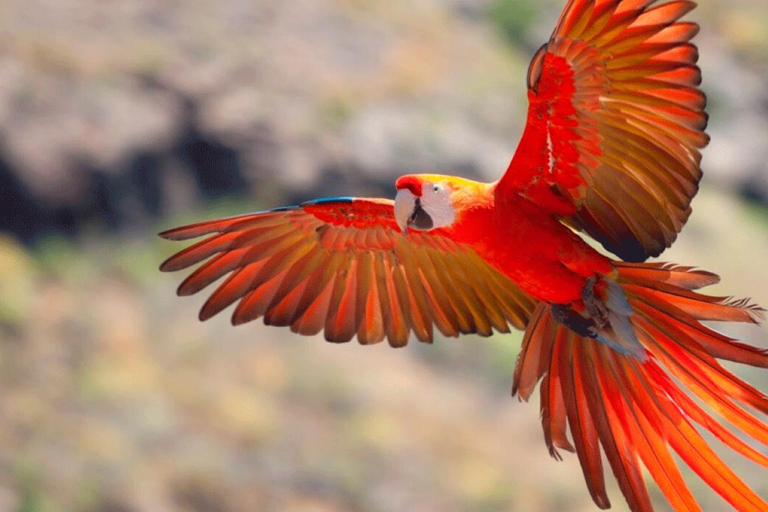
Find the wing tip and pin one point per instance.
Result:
(205, 314)
(186, 232)
(170, 265)
(186, 290)
(234, 321)
(169, 234)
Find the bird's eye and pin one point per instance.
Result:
(437, 188)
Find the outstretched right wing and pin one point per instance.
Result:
(615, 124)
(342, 266)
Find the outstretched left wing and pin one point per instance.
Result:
(342, 266)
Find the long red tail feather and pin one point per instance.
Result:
(636, 410)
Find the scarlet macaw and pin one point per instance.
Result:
(611, 148)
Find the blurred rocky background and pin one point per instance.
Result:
(118, 119)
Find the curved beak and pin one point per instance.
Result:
(405, 204)
(409, 212)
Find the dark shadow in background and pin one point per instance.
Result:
(216, 166)
(20, 212)
(134, 192)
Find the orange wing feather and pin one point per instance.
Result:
(615, 124)
(342, 266)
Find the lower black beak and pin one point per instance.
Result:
(420, 219)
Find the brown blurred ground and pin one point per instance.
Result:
(122, 118)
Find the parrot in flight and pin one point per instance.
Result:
(611, 150)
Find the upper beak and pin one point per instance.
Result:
(405, 209)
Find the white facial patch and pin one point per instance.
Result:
(436, 201)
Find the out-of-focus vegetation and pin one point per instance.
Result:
(515, 20)
(121, 119)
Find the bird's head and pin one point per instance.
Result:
(429, 201)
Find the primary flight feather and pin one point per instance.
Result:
(612, 149)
